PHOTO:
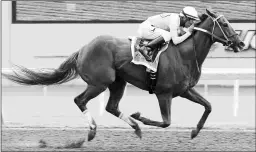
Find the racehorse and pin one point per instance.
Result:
(105, 63)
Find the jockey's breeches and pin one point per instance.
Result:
(148, 31)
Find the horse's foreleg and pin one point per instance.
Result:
(164, 101)
(194, 96)
(82, 100)
(116, 92)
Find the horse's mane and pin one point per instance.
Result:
(202, 17)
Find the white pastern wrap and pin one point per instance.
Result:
(89, 118)
(126, 119)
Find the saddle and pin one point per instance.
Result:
(139, 59)
(143, 42)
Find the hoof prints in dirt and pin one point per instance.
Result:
(69, 144)
(42, 144)
(126, 140)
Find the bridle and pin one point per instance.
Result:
(226, 41)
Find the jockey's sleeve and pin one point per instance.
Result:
(178, 39)
(174, 27)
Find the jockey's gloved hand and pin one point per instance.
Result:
(181, 31)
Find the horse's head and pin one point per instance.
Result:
(220, 30)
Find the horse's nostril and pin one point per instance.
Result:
(241, 44)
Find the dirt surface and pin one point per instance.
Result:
(116, 139)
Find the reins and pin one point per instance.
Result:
(194, 49)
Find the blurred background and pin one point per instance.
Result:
(42, 34)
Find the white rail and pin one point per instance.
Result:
(207, 74)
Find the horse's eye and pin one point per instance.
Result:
(225, 24)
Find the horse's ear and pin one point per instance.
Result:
(209, 11)
(202, 16)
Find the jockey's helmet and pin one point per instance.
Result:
(190, 12)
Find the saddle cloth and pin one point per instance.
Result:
(139, 59)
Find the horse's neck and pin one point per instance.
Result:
(203, 44)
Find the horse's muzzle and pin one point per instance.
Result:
(229, 43)
(241, 44)
(238, 47)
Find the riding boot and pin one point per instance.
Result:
(154, 43)
(147, 50)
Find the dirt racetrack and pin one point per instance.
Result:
(123, 139)
(36, 124)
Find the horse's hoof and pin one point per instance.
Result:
(138, 133)
(136, 115)
(91, 134)
(194, 133)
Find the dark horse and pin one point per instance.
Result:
(106, 63)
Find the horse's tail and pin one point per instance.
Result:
(66, 72)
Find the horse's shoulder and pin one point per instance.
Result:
(171, 61)
(173, 52)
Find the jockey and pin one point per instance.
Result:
(165, 27)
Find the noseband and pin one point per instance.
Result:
(226, 41)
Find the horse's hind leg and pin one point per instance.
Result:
(116, 92)
(81, 101)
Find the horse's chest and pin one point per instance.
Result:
(177, 88)
(181, 87)
(184, 85)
